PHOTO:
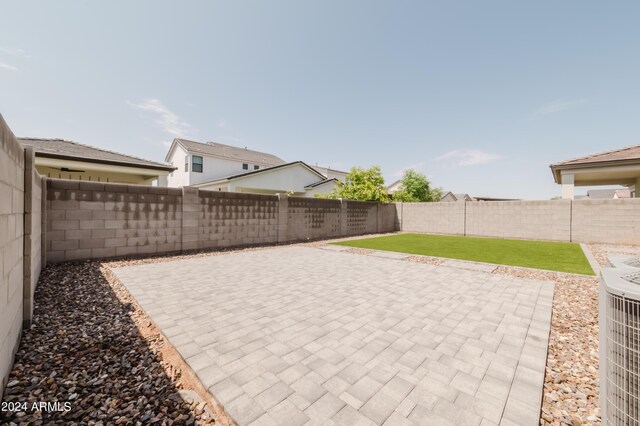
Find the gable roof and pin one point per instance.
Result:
(394, 183)
(463, 197)
(449, 193)
(265, 170)
(627, 153)
(616, 157)
(226, 151)
(321, 182)
(68, 150)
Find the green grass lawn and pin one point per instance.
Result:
(562, 257)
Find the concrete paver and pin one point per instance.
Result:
(296, 335)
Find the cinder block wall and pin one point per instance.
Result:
(433, 218)
(533, 220)
(606, 221)
(387, 218)
(34, 259)
(229, 219)
(89, 220)
(313, 218)
(20, 243)
(583, 221)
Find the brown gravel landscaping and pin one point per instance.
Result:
(571, 389)
(91, 346)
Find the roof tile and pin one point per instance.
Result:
(84, 152)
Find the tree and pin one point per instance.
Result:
(362, 184)
(416, 187)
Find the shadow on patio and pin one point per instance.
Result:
(91, 347)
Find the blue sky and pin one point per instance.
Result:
(481, 96)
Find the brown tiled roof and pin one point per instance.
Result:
(60, 148)
(628, 153)
(232, 152)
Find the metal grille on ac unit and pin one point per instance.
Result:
(620, 343)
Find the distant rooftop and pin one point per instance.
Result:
(608, 193)
(60, 148)
(228, 151)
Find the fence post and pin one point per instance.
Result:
(43, 223)
(190, 216)
(343, 217)
(27, 237)
(283, 217)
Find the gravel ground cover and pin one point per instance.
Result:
(571, 388)
(91, 346)
(602, 251)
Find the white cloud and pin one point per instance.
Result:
(466, 157)
(7, 67)
(222, 123)
(14, 52)
(169, 121)
(560, 105)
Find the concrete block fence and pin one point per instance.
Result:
(90, 220)
(584, 221)
(20, 243)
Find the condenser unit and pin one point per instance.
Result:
(620, 342)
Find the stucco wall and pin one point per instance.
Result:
(585, 221)
(91, 220)
(178, 177)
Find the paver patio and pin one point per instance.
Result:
(294, 335)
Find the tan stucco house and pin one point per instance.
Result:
(62, 159)
(617, 167)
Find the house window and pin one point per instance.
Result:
(196, 163)
(256, 167)
(186, 164)
(245, 166)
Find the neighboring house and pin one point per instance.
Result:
(330, 173)
(197, 162)
(608, 194)
(297, 179)
(450, 197)
(394, 187)
(61, 159)
(617, 167)
(222, 167)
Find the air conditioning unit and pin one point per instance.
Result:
(620, 342)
